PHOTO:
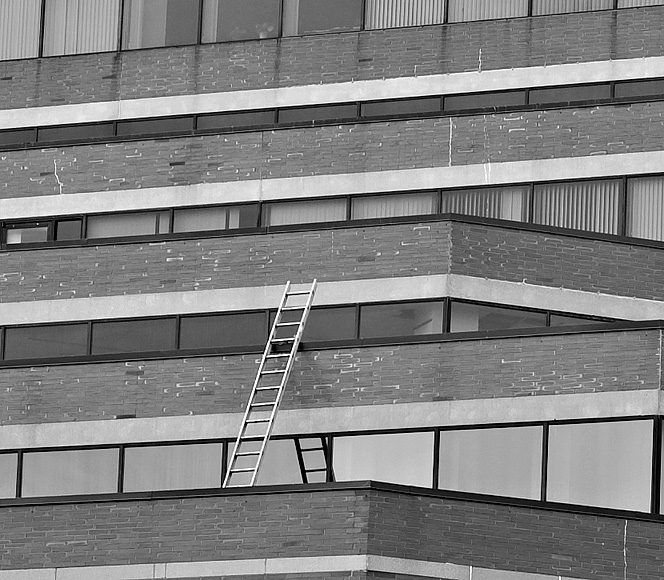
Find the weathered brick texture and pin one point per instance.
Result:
(476, 369)
(335, 149)
(568, 38)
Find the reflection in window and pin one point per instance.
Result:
(304, 212)
(8, 466)
(592, 206)
(465, 10)
(569, 94)
(27, 234)
(46, 341)
(393, 205)
(68, 229)
(280, 463)
(225, 20)
(329, 324)
(78, 26)
(645, 208)
(129, 224)
(222, 330)
(206, 219)
(476, 317)
(404, 458)
(505, 461)
(569, 320)
(562, 6)
(149, 23)
(601, 464)
(172, 467)
(409, 319)
(70, 472)
(485, 100)
(396, 13)
(506, 203)
(19, 28)
(314, 16)
(133, 336)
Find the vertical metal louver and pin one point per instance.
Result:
(635, 3)
(19, 28)
(645, 208)
(509, 203)
(563, 6)
(466, 10)
(397, 13)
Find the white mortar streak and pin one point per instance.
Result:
(625, 550)
(57, 177)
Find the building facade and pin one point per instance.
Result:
(478, 188)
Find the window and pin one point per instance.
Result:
(70, 472)
(645, 208)
(230, 121)
(562, 6)
(8, 471)
(320, 113)
(58, 340)
(478, 317)
(223, 330)
(133, 336)
(129, 224)
(396, 13)
(215, 218)
(156, 126)
(393, 205)
(19, 28)
(149, 23)
(601, 464)
(68, 229)
(330, 324)
(77, 26)
(28, 233)
(16, 137)
(75, 132)
(304, 212)
(634, 3)
(406, 319)
(635, 89)
(400, 107)
(507, 203)
(569, 94)
(315, 16)
(479, 101)
(164, 467)
(504, 461)
(465, 10)
(240, 19)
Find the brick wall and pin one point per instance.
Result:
(581, 37)
(336, 149)
(477, 369)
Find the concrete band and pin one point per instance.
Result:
(453, 83)
(305, 565)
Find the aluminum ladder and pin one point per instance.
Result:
(266, 394)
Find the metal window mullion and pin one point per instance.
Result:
(199, 34)
(655, 488)
(545, 461)
(89, 345)
(121, 468)
(436, 458)
(19, 473)
(42, 28)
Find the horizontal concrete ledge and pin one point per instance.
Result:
(305, 565)
(321, 186)
(338, 419)
(413, 86)
(330, 293)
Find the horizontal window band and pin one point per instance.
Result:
(430, 106)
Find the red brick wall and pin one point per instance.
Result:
(523, 42)
(477, 369)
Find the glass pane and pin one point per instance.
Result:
(304, 212)
(485, 101)
(382, 206)
(17, 137)
(207, 219)
(397, 13)
(150, 23)
(401, 107)
(312, 114)
(634, 3)
(475, 317)
(133, 336)
(19, 28)
(46, 341)
(220, 330)
(329, 324)
(568, 320)
(403, 319)
(645, 208)
(569, 94)
(78, 26)
(70, 472)
(505, 203)
(465, 10)
(563, 6)
(68, 229)
(639, 89)
(312, 16)
(505, 461)
(279, 465)
(601, 464)
(404, 458)
(118, 225)
(236, 120)
(156, 126)
(172, 467)
(592, 206)
(27, 235)
(75, 132)
(240, 19)
(8, 464)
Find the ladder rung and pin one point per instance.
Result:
(279, 355)
(242, 470)
(262, 404)
(315, 470)
(280, 340)
(268, 388)
(298, 292)
(288, 323)
(245, 453)
(274, 372)
(312, 449)
(258, 421)
(293, 308)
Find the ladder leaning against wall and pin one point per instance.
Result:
(266, 394)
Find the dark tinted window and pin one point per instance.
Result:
(26, 233)
(8, 465)
(640, 89)
(311, 114)
(201, 219)
(46, 341)
(569, 94)
(68, 229)
(18, 137)
(311, 16)
(133, 336)
(330, 324)
(223, 330)
(75, 132)
(156, 126)
(477, 317)
(406, 319)
(485, 100)
(401, 107)
(569, 320)
(236, 120)
(149, 23)
(240, 19)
